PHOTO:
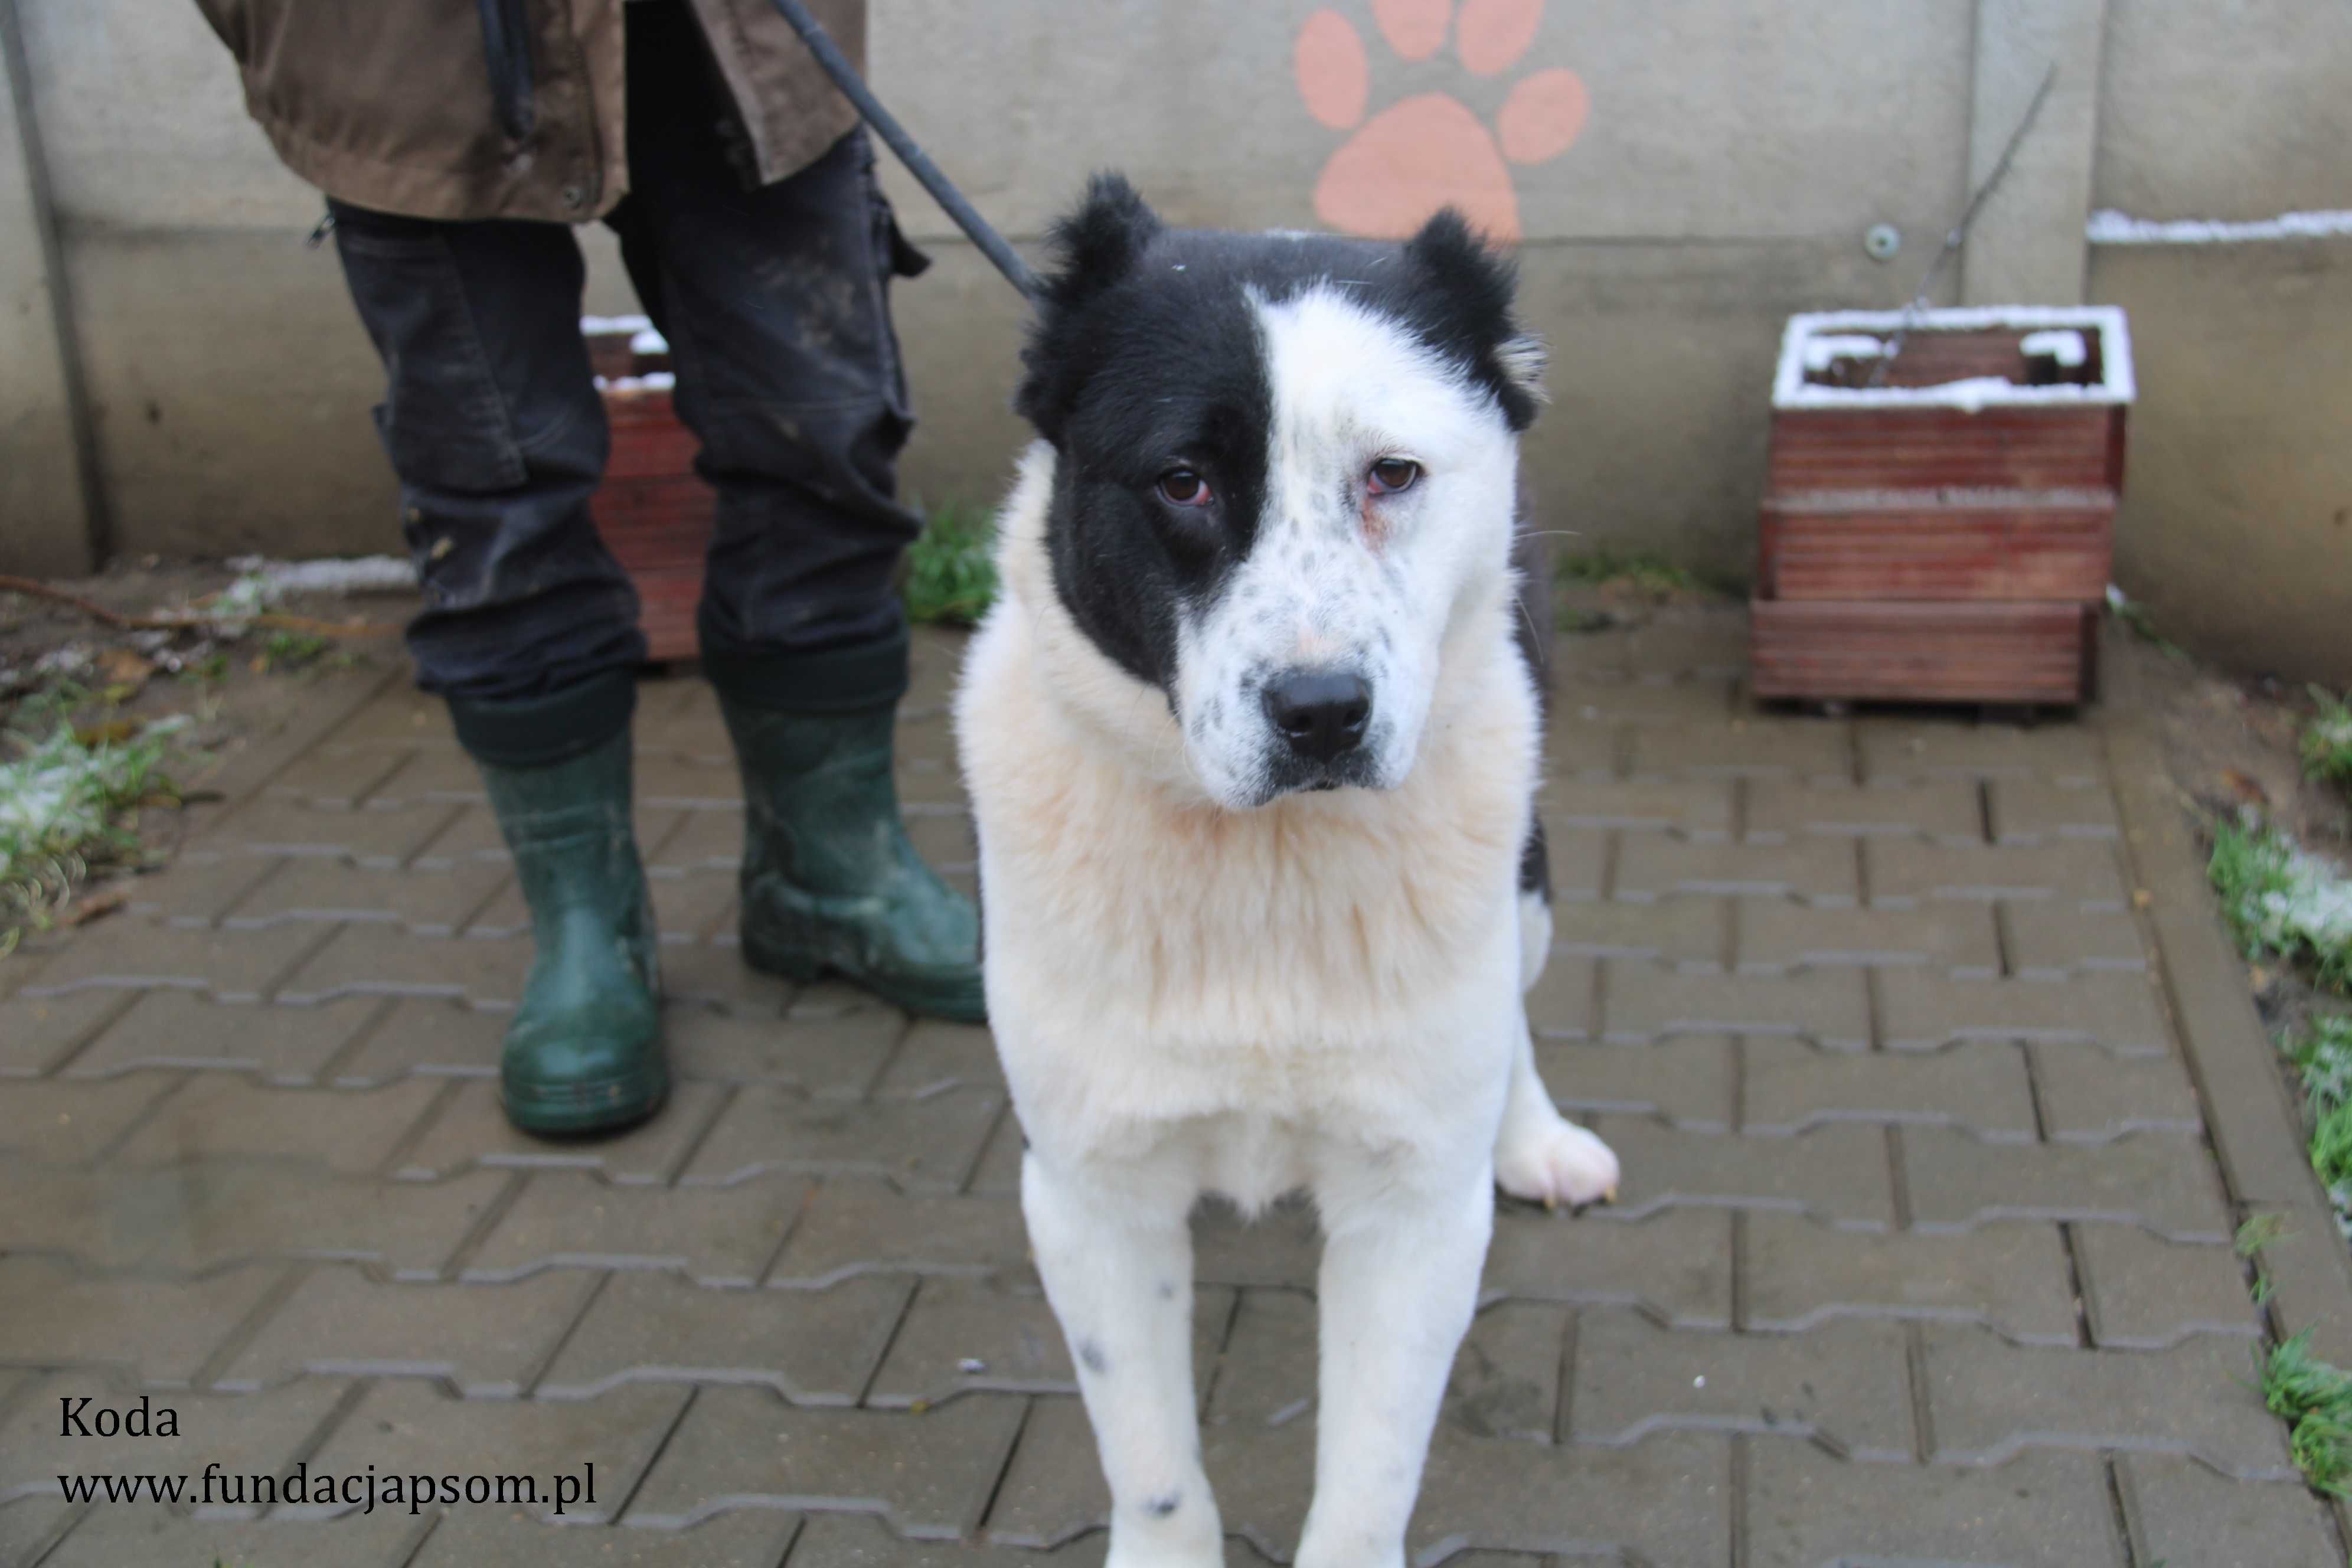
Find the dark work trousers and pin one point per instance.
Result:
(774, 300)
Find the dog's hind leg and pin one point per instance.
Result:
(1117, 1259)
(1398, 1283)
(1540, 1154)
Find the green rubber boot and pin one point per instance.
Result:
(583, 1053)
(831, 882)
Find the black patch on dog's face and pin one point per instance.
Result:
(1146, 357)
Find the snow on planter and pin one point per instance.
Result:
(1939, 518)
(653, 510)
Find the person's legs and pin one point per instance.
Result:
(774, 302)
(494, 428)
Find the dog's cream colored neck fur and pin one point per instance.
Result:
(1117, 884)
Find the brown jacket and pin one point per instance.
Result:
(394, 104)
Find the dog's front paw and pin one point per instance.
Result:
(1550, 1161)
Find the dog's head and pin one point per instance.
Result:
(1285, 469)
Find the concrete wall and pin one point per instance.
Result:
(1723, 162)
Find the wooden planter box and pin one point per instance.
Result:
(1941, 535)
(653, 511)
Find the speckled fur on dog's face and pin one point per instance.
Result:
(1286, 382)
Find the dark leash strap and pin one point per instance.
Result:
(919, 163)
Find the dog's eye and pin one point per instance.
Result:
(1393, 474)
(1183, 487)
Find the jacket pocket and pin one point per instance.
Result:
(444, 422)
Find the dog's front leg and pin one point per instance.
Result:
(1116, 1254)
(1398, 1283)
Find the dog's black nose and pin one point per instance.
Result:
(1322, 714)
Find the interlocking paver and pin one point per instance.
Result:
(1576, 703)
(2159, 1180)
(115, 1537)
(1659, 865)
(1806, 1509)
(1777, 936)
(2076, 873)
(234, 966)
(1924, 1010)
(1750, 747)
(373, 960)
(1560, 1006)
(714, 973)
(1280, 1247)
(2061, 753)
(2143, 1291)
(339, 775)
(246, 1434)
(380, 839)
(28, 1524)
(714, 1236)
(837, 1056)
(689, 782)
(926, 1143)
(935, 1057)
(973, 1336)
(431, 1036)
(812, 1347)
(350, 1130)
(430, 903)
(1267, 1374)
(852, 1227)
(1838, 1171)
(929, 1476)
(1689, 933)
(997, 1174)
(486, 1340)
(1579, 859)
(1988, 1400)
(2035, 810)
(1584, 801)
(1784, 809)
(2012, 1278)
(2046, 938)
(470, 836)
(1789, 1086)
(203, 886)
(851, 1541)
(1845, 1385)
(429, 774)
(491, 1538)
(2089, 1097)
(36, 1033)
(470, 1128)
(1663, 1501)
(1506, 1380)
(58, 1121)
(1687, 1080)
(160, 1331)
(1649, 1001)
(1674, 1265)
(405, 1426)
(2183, 1513)
(184, 1029)
(705, 842)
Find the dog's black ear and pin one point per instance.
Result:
(1475, 287)
(1095, 246)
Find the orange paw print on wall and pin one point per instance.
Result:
(1431, 151)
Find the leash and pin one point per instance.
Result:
(919, 163)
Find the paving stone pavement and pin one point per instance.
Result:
(1923, 1256)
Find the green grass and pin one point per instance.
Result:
(69, 799)
(951, 567)
(2315, 1399)
(2327, 740)
(2134, 616)
(1652, 576)
(2278, 899)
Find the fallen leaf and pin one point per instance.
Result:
(2244, 787)
(112, 733)
(124, 666)
(85, 911)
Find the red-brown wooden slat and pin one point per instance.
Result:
(1919, 652)
(1925, 546)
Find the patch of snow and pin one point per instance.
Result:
(1824, 351)
(2116, 387)
(2061, 343)
(602, 326)
(357, 574)
(648, 342)
(658, 380)
(2108, 227)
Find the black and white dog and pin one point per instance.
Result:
(1253, 751)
